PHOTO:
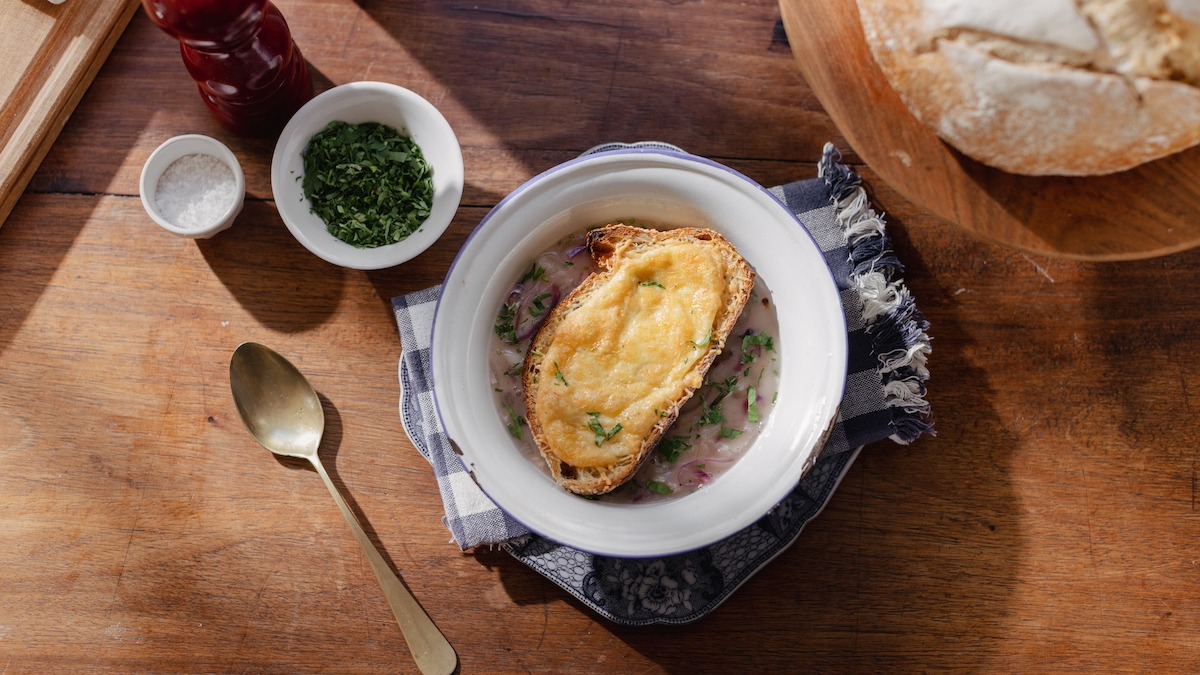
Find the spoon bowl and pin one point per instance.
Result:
(282, 411)
(275, 401)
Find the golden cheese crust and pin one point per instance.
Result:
(607, 373)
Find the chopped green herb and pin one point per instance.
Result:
(752, 404)
(702, 343)
(517, 369)
(535, 273)
(651, 283)
(658, 488)
(506, 322)
(598, 429)
(712, 415)
(538, 305)
(368, 182)
(774, 397)
(724, 386)
(515, 422)
(727, 432)
(760, 340)
(755, 340)
(671, 448)
(558, 376)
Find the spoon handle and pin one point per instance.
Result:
(430, 649)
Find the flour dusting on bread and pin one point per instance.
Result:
(1045, 87)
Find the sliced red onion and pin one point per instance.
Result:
(698, 475)
(530, 327)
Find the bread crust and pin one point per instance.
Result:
(1107, 86)
(603, 244)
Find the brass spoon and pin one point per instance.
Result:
(281, 410)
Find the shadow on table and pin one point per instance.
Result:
(632, 74)
(628, 73)
(277, 280)
(26, 275)
(331, 442)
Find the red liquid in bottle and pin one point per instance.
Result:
(241, 55)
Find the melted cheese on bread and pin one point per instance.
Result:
(624, 354)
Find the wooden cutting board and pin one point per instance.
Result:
(49, 55)
(1148, 211)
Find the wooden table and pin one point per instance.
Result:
(1052, 524)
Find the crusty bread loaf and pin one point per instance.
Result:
(1045, 87)
(606, 374)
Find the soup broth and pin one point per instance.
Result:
(716, 425)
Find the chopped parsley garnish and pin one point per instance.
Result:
(752, 404)
(727, 432)
(712, 411)
(506, 327)
(517, 369)
(659, 488)
(515, 422)
(712, 415)
(368, 182)
(598, 429)
(651, 283)
(558, 376)
(724, 387)
(535, 273)
(702, 343)
(538, 305)
(751, 340)
(671, 448)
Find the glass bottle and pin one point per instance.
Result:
(241, 54)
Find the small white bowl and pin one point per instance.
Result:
(356, 103)
(662, 186)
(174, 149)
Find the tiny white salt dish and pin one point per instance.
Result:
(356, 103)
(221, 205)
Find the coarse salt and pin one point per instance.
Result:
(195, 191)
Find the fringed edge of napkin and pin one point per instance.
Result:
(897, 328)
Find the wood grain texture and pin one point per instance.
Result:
(50, 55)
(1143, 212)
(1051, 526)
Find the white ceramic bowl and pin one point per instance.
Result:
(174, 149)
(664, 187)
(355, 103)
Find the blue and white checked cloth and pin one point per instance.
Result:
(884, 398)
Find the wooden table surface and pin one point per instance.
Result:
(1051, 525)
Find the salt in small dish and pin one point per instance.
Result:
(192, 186)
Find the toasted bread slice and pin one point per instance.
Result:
(607, 373)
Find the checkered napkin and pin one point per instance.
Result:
(884, 398)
